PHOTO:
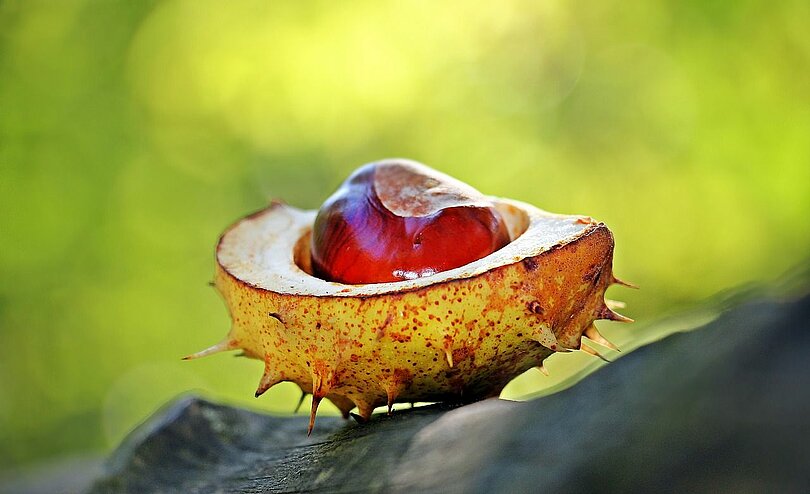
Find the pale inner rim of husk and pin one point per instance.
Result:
(260, 249)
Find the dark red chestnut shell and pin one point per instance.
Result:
(397, 220)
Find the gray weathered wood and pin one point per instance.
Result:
(723, 408)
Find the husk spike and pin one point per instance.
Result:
(223, 346)
(316, 400)
(593, 334)
(392, 397)
(300, 401)
(269, 379)
(607, 314)
(590, 351)
(617, 281)
(364, 410)
(448, 354)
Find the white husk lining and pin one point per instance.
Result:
(258, 250)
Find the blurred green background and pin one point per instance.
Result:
(132, 133)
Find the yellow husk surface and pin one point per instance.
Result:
(457, 339)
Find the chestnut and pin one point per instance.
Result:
(397, 220)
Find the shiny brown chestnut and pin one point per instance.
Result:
(396, 220)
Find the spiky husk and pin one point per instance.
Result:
(460, 339)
